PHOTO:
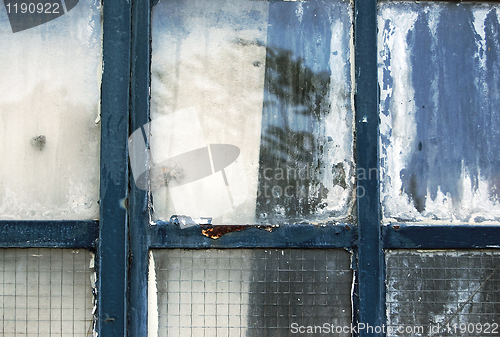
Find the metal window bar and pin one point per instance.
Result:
(112, 253)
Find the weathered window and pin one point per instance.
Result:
(251, 111)
(49, 176)
(49, 109)
(353, 145)
(438, 76)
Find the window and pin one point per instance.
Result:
(347, 149)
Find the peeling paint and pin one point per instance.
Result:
(440, 125)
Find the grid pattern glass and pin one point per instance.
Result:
(45, 292)
(248, 292)
(443, 293)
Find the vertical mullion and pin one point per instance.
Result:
(139, 216)
(370, 252)
(112, 246)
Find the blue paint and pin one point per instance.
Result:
(424, 236)
(461, 128)
(49, 234)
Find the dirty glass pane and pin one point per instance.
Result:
(251, 112)
(46, 292)
(49, 98)
(439, 77)
(249, 292)
(443, 293)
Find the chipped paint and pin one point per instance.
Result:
(440, 127)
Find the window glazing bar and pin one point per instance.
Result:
(139, 212)
(427, 236)
(370, 275)
(168, 235)
(49, 234)
(112, 255)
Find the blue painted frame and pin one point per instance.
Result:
(368, 239)
(167, 235)
(369, 301)
(49, 234)
(139, 211)
(112, 254)
(124, 235)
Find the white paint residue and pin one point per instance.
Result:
(299, 11)
(218, 67)
(399, 125)
(479, 18)
(153, 313)
(395, 22)
(339, 127)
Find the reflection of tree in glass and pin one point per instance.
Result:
(294, 84)
(295, 102)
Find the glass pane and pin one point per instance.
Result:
(49, 103)
(46, 292)
(249, 292)
(251, 111)
(439, 78)
(443, 293)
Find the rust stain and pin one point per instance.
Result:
(215, 232)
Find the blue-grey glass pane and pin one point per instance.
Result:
(249, 292)
(443, 293)
(440, 118)
(270, 79)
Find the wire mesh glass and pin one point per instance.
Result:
(45, 292)
(248, 292)
(443, 293)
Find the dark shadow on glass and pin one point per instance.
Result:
(296, 101)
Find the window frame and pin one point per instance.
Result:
(368, 297)
(124, 235)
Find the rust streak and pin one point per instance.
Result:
(215, 232)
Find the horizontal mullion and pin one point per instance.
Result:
(430, 236)
(49, 234)
(168, 235)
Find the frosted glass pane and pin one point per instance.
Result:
(251, 111)
(46, 292)
(49, 99)
(439, 75)
(443, 293)
(248, 292)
